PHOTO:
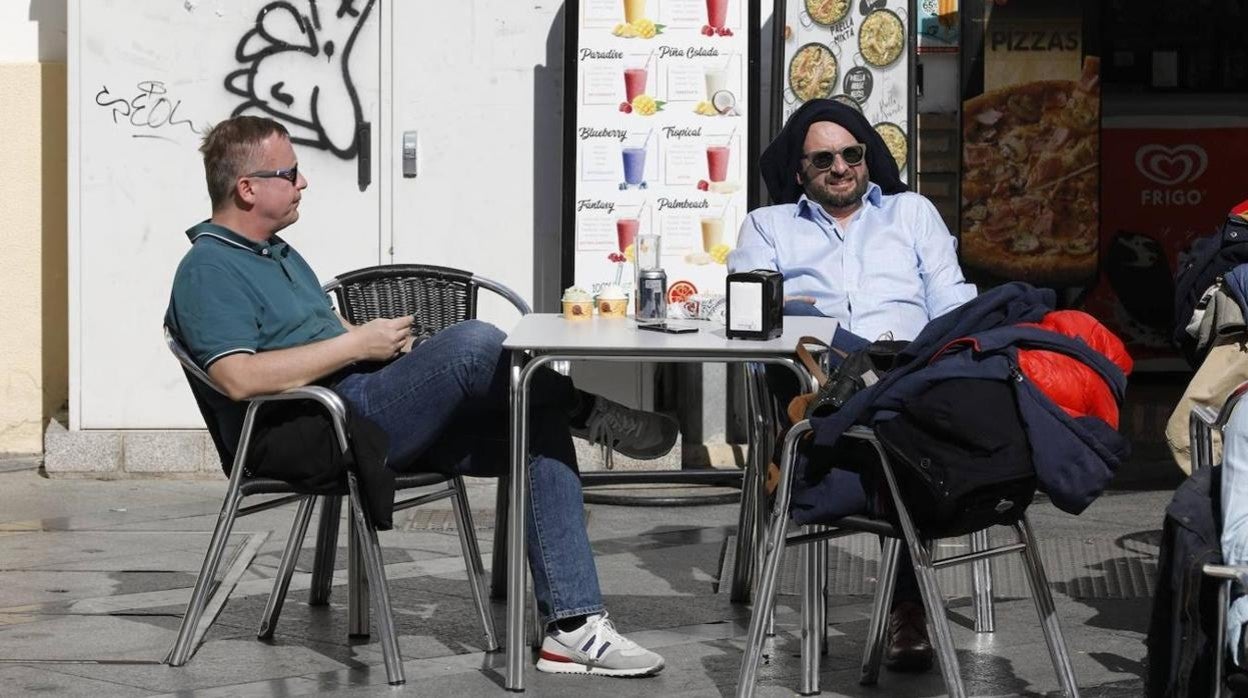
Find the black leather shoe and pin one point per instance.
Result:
(908, 648)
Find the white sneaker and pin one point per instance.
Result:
(596, 648)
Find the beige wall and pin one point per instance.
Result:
(33, 308)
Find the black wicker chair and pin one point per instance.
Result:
(437, 297)
(363, 534)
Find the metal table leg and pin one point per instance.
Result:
(516, 522)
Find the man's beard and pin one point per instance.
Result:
(819, 192)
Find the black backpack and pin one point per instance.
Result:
(961, 458)
(1202, 264)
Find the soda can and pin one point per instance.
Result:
(651, 294)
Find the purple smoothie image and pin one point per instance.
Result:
(634, 168)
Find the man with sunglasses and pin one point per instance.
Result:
(855, 245)
(251, 312)
(851, 241)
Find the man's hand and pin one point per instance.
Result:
(382, 339)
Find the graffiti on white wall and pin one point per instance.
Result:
(296, 68)
(148, 108)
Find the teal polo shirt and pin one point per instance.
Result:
(231, 295)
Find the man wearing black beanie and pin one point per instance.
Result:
(853, 244)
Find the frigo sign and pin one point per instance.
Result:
(1173, 170)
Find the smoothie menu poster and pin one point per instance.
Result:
(859, 52)
(656, 138)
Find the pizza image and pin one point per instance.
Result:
(881, 38)
(812, 72)
(827, 12)
(1030, 181)
(895, 139)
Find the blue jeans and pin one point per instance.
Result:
(445, 409)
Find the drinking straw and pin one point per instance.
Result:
(641, 211)
(647, 65)
(724, 213)
(734, 132)
(647, 141)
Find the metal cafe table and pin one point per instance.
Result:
(539, 339)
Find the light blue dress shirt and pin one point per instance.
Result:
(1235, 514)
(893, 270)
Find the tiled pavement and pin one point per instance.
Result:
(94, 577)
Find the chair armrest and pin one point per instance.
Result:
(1205, 415)
(862, 433)
(1224, 414)
(1234, 573)
(504, 291)
(327, 398)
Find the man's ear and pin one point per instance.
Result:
(244, 193)
(802, 179)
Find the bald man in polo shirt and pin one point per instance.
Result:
(251, 312)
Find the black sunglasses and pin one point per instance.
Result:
(823, 159)
(290, 174)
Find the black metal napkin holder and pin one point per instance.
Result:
(755, 305)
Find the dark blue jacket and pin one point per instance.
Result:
(1075, 458)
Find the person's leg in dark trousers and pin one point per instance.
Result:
(445, 408)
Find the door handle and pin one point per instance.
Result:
(409, 153)
(364, 154)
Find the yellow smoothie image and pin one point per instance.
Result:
(634, 10)
(712, 233)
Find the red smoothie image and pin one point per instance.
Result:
(716, 13)
(626, 231)
(634, 83)
(717, 162)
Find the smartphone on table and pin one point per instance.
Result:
(668, 327)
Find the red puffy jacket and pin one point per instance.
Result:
(1072, 385)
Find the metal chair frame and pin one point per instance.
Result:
(364, 567)
(1203, 421)
(767, 413)
(469, 285)
(814, 566)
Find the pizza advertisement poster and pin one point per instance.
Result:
(1175, 179)
(859, 52)
(657, 125)
(1030, 149)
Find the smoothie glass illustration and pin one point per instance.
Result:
(626, 232)
(712, 233)
(634, 167)
(716, 81)
(717, 157)
(716, 13)
(634, 83)
(634, 10)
